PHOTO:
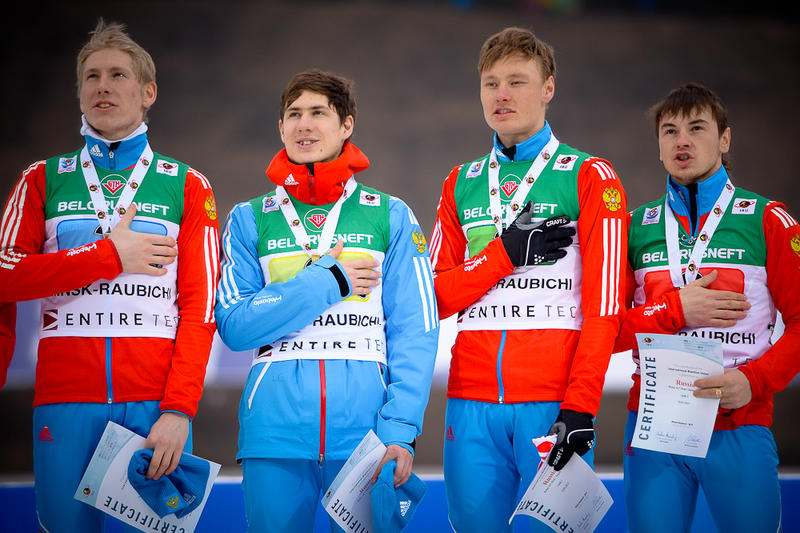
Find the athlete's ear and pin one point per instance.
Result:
(725, 141)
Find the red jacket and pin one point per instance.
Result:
(773, 371)
(535, 365)
(74, 369)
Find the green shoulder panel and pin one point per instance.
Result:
(739, 239)
(161, 194)
(363, 222)
(554, 193)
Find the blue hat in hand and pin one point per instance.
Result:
(181, 492)
(393, 507)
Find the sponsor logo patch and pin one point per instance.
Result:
(95, 151)
(165, 167)
(67, 164)
(45, 435)
(315, 219)
(652, 215)
(475, 168)
(564, 162)
(448, 435)
(367, 198)
(290, 180)
(612, 198)
(113, 183)
(744, 206)
(268, 204)
(510, 185)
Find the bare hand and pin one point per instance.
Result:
(167, 438)
(732, 388)
(138, 252)
(404, 460)
(361, 272)
(709, 307)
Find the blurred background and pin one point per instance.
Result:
(222, 67)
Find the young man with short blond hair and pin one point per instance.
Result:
(120, 243)
(711, 260)
(329, 282)
(527, 250)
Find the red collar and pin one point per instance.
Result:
(322, 185)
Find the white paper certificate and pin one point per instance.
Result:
(572, 499)
(105, 485)
(348, 499)
(670, 418)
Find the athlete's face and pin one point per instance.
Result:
(691, 147)
(112, 99)
(311, 130)
(514, 95)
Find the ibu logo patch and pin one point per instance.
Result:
(652, 215)
(113, 183)
(564, 162)
(165, 167)
(744, 206)
(67, 164)
(315, 219)
(368, 198)
(268, 204)
(475, 168)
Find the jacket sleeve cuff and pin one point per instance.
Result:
(111, 272)
(337, 270)
(394, 432)
(674, 302)
(755, 385)
(176, 412)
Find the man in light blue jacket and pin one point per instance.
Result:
(330, 282)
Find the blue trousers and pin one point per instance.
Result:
(739, 477)
(488, 456)
(65, 436)
(282, 495)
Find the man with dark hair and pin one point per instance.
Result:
(538, 308)
(115, 276)
(330, 282)
(714, 261)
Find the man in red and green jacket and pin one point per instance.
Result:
(121, 245)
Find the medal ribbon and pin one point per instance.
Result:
(518, 200)
(301, 237)
(108, 219)
(672, 231)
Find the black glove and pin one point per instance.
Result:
(575, 434)
(531, 244)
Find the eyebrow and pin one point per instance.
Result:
(312, 108)
(691, 122)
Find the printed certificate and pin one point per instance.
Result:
(670, 418)
(572, 499)
(105, 485)
(348, 500)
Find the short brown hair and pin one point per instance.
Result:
(688, 98)
(517, 42)
(113, 35)
(338, 89)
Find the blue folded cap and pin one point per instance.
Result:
(393, 507)
(180, 492)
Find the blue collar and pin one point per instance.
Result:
(526, 150)
(117, 155)
(706, 193)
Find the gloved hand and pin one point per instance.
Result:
(531, 244)
(575, 434)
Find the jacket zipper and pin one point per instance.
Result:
(500, 390)
(109, 382)
(322, 394)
